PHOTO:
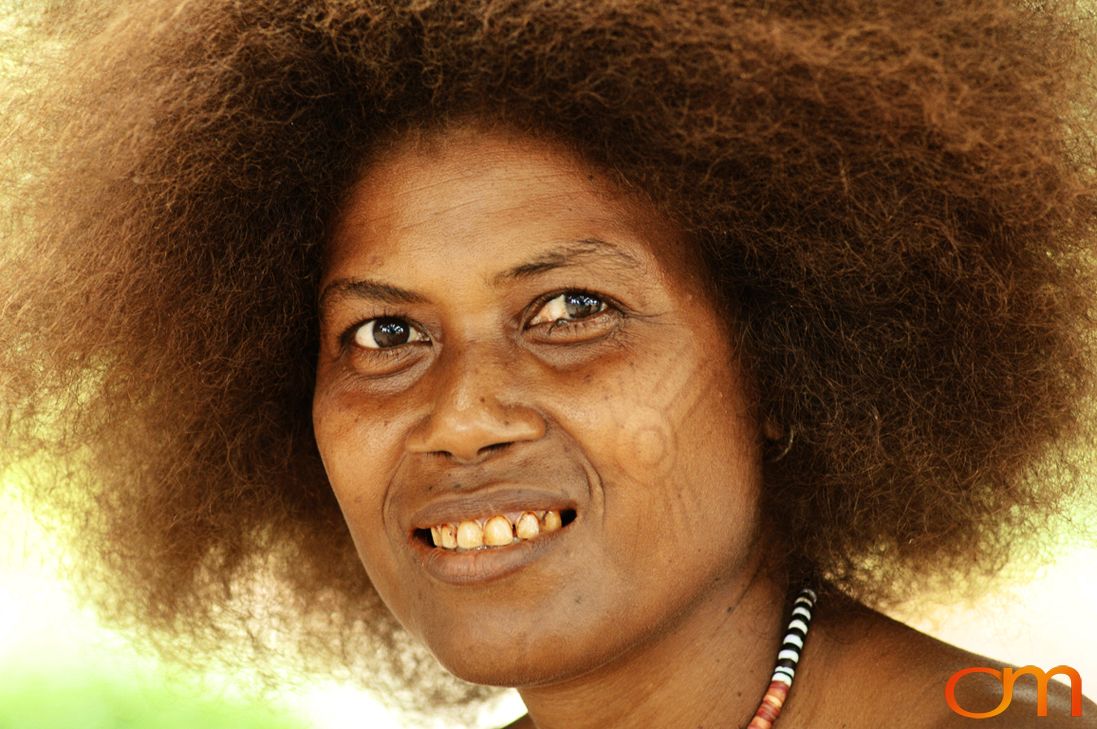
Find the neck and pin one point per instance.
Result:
(710, 668)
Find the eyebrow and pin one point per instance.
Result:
(572, 254)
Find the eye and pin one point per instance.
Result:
(568, 307)
(386, 332)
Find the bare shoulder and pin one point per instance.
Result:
(877, 672)
(904, 674)
(1033, 690)
(523, 722)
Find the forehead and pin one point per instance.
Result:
(467, 195)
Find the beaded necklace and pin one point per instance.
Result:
(787, 658)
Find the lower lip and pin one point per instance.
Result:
(478, 566)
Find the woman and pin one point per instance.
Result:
(570, 340)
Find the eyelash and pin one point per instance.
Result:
(576, 325)
(612, 308)
(346, 339)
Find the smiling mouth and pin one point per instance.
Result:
(495, 532)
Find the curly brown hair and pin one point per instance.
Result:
(895, 200)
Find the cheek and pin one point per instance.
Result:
(665, 411)
(359, 450)
(360, 444)
(670, 435)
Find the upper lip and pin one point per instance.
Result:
(488, 502)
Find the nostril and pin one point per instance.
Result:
(467, 431)
(494, 447)
(472, 458)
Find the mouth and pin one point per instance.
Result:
(487, 537)
(494, 532)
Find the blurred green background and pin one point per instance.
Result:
(60, 669)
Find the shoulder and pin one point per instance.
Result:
(916, 681)
(1029, 690)
(961, 681)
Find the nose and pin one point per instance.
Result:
(476, 407)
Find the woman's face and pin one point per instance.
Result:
(503, 333)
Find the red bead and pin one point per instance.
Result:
(778, 688)
(767, 712)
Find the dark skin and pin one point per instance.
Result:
(657, 606)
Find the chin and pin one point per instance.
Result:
(493, 670)
(511, 661)
(521, 673)
(490, 675)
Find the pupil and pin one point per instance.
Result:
(389, 332)
(581, 305)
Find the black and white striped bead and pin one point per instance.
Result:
(793, 643)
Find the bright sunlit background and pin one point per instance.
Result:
(59, 669)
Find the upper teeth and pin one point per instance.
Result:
(495, 531)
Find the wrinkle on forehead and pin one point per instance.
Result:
(550, 159)
(591, 253)
(394, 194)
